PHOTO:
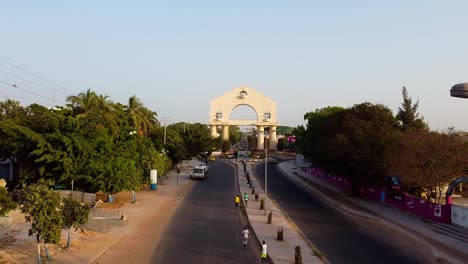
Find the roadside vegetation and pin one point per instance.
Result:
(6, 204)
(367, 142)
(94, 144)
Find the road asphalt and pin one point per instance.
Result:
(448, 243)
(445, 246)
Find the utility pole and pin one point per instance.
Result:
(164, 144)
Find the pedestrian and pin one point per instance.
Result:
(246, 199)
(264, 252)
(245, 236)
(237, 200)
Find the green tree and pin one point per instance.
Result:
(225, 146)
(368, 131)
(95, 109)
(408, 116)
(175, 147)
(235, 135)
(11, 110)
(428, 161)
(73, 214)
(6, 204)
(42, 207)
(84, 102)
(352, 142)
(281, 144)
(198, 140)
(142, 119)
(315, 140)
(24, 147)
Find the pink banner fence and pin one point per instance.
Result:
(408, 203)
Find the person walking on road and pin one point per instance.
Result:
(246, 199)
(264, 252)
(237, 200)
(245, 236)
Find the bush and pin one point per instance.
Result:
(6, 204)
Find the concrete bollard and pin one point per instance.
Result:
(123, 218)
(279, 234)
(297, 255)
(270, 216)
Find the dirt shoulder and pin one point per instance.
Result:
(105, 229)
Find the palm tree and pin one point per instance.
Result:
(141, 118)
(89, 104)
(83, 102)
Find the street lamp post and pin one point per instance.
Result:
(266, 132)
(266, 171)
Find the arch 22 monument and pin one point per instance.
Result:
(264, 107)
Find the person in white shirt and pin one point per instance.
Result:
(264, 252)
(245, 236)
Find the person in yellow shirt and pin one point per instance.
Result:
(237, 200)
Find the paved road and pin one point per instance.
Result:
(207, 228)
(341, 238)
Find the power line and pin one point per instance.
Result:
(29, 81)
(14, 95)
(37, 76)
(25, 90)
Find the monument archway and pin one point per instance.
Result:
(264, 107)
(448, 195)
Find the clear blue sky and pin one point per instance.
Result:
(177, 56)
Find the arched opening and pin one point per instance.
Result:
(452, 186)
(243, 112)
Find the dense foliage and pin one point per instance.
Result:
(366, 142)
(428, 161)
(42, 207)
(408, 116)
(6, 204)
(94, 143)
(73, 214)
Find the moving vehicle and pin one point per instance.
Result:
(198, 172)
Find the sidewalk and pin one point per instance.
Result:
(442, 245)
(167, 191)
(279, 251)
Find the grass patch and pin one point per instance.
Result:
(318, 254)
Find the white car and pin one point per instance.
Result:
(198, 172)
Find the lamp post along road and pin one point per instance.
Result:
(266, 171)
(266, 133)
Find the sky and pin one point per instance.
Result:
(177, 56)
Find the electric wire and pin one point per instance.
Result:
(35, 75)
(29, 81)
(25, 90)
(17, 96)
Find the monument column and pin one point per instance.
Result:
(225, 132)
(214, 133)
(260, 137)
(273, 138)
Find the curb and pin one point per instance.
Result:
(293, 224)
(243, 212)
(414, 233)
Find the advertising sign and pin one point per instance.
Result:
(394, 188)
